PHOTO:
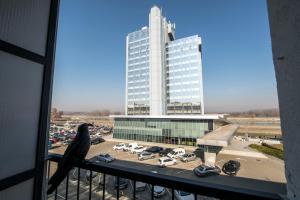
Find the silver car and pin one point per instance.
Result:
(105, 158)
(145, 155)
(204, 170)
(158, 191)
(188, 157)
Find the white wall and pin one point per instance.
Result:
(156, 39)
(284, 17)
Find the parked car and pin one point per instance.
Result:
(119, 146)
(130, 146)
(154, 149)
(53, 140)
(138, 149)
(188, 157)
(203, 170)
(166, 161)
(139, 186)
(84, 175)
(158, 191)
(231, 167)
(145, 155)
(178, 152)
(123, 183)
(67, 142)
(61, 137)
(49, 144)
(97, 140)
(105, 158)
(182, 195)
(165, 152)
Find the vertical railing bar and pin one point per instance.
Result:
(78, 183)
(118, 188)
(67, 186)
(90, 190)
(134, 189)
(152, 192)
(55, 194)
(195, 196)
(173, 194)
(103, 195)
(48, 174)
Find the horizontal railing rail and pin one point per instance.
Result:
(217, 190)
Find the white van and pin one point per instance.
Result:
(130, 147)
(175, 153)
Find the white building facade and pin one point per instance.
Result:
(163, 75)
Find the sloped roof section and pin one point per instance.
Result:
(219, 137)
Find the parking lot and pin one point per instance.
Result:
(263, 169)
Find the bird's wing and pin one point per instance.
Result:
(70, 151)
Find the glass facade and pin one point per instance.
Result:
(184, 76)
(138, 72)
(161, 130)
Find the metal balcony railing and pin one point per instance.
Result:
(98, 173)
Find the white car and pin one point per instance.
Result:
(138, 149)
(175, 153)
(119, 146)
(130, 146)
(182, 195)
(166, 161)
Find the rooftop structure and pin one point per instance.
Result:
(220, 137)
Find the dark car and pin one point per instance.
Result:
(231, 167)
(154, 149)
(123, 183)
(165, 152)
(204, 170)
(97, 140)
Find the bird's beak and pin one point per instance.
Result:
(91, 125)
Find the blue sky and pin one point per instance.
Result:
(238, 70)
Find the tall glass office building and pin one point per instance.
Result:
(184, 76)
(163, 80)
(163, 75)
(137, 70)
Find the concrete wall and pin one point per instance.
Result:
(156, 64)
(284, 17)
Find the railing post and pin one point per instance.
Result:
(67, 186)
(152, 192)
(55, 194)
(90, 189)
(118, 188)
(134, 189)
(78, 183)
(103, 191)
(172, 193)
(48, 173)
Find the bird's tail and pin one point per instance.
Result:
(55, 180)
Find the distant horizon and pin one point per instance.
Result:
(238, 70)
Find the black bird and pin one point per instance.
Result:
(74, 154)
